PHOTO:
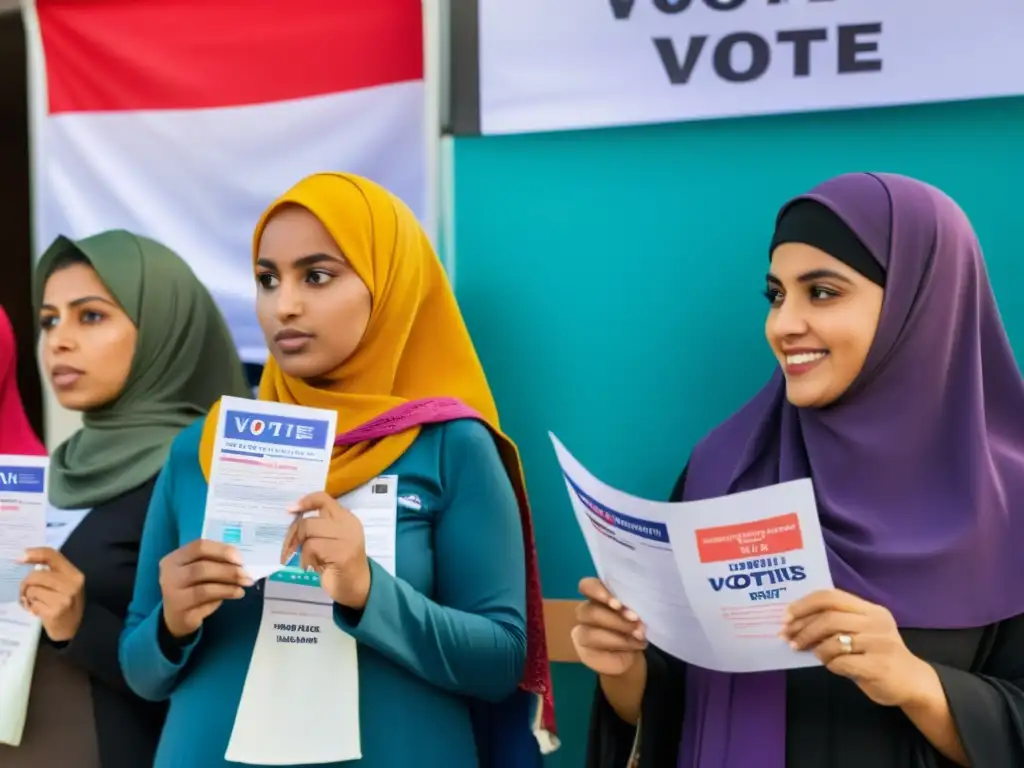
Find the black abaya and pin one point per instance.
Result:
(830, 723)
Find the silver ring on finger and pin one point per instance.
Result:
(845, 643)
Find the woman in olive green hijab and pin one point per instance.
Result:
(132, 340)
(184, 359)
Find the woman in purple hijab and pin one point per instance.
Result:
(898, 394)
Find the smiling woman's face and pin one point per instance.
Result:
(821, 323)
(88, 340)
(311, 304)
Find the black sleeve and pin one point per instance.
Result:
(105, 548)
(610, 740)
(987, 704)
(173, 648)
(94, 647)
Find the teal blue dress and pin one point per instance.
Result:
(447, 631)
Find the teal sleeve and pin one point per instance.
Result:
(470, 639)
(147, 670)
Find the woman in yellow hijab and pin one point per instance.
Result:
(360, 319)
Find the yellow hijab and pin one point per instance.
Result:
(416, 344)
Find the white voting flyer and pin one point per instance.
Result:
(299, 646)
(22, 525)
(266, 457)
(710, 579)
(22, 517)
(19, 641)
(743, 558)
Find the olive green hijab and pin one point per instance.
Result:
(184, 360)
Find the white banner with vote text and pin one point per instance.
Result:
(590, 63)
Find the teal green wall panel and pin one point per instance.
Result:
(574, 686)
(611, 280)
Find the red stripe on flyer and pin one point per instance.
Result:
(770, 536)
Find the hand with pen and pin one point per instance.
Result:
(330, 541)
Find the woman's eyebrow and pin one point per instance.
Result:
(79, 301)
(303, 262)
(822, 274)
(317, 258)
(812, 275)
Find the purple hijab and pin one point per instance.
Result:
(916, 468)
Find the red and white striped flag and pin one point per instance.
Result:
(183, 119)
